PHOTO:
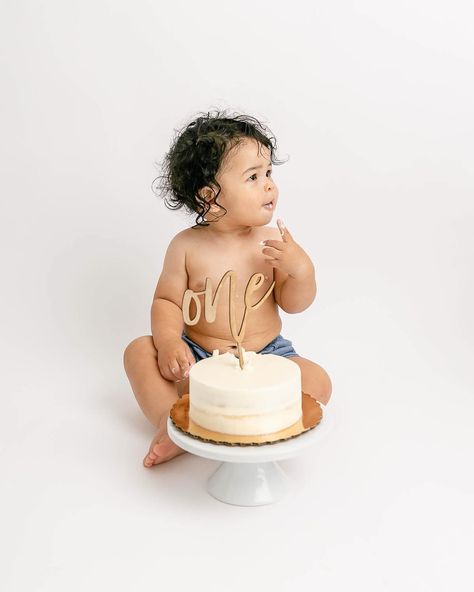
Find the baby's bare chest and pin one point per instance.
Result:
(204, 262)
(241, 274)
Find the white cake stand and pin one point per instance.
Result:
(249, 475)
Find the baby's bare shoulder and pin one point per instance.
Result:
(183, 246)
(194, 234)
(183, 239)
(193, 241)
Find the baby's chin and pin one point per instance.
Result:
(261, 224)
(264, 220)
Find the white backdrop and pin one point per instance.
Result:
(372, 103)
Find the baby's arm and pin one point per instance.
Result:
(294, 274)
(167, 324)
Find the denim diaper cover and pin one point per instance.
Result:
(279, 347)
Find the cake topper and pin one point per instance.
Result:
(210, 304)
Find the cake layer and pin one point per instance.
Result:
(263, 397)
(247, 425)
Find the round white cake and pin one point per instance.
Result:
(262, 398)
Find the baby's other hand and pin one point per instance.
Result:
(175, 360)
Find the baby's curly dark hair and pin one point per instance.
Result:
(196, 153)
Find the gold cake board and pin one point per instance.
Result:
(312, 415)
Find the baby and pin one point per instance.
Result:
(220, 168)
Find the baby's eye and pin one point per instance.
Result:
(255, 174)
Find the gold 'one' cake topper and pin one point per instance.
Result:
(210, 304)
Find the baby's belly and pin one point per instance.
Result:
(260, 329)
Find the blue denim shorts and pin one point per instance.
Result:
(279, 346)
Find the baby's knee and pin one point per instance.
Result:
(326, 388)
(328, 393)
(136, 349)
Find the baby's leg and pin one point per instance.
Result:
(315, 380)
(155, 395)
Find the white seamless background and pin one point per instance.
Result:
(372, 103)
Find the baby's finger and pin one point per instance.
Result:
(272, 252)
(184, 365)
(175, 370)
(285, 234)
(174, 373)
(190, 356)
(274, 244)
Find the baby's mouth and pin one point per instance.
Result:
(269, 205)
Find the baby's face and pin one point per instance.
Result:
(248, 191)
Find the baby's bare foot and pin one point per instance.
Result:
(162, 448)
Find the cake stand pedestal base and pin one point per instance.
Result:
(248, 484)
(249, 475)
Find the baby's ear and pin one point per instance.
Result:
(207, 195)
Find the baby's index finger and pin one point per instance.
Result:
(285, 233)
(281, 226)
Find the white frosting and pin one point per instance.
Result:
(261, 398)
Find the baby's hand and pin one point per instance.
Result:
(175, 360)
(287, 255)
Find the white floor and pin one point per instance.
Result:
(384, 503)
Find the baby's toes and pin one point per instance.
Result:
(162, 450)
(152, 456)
(150, 459)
